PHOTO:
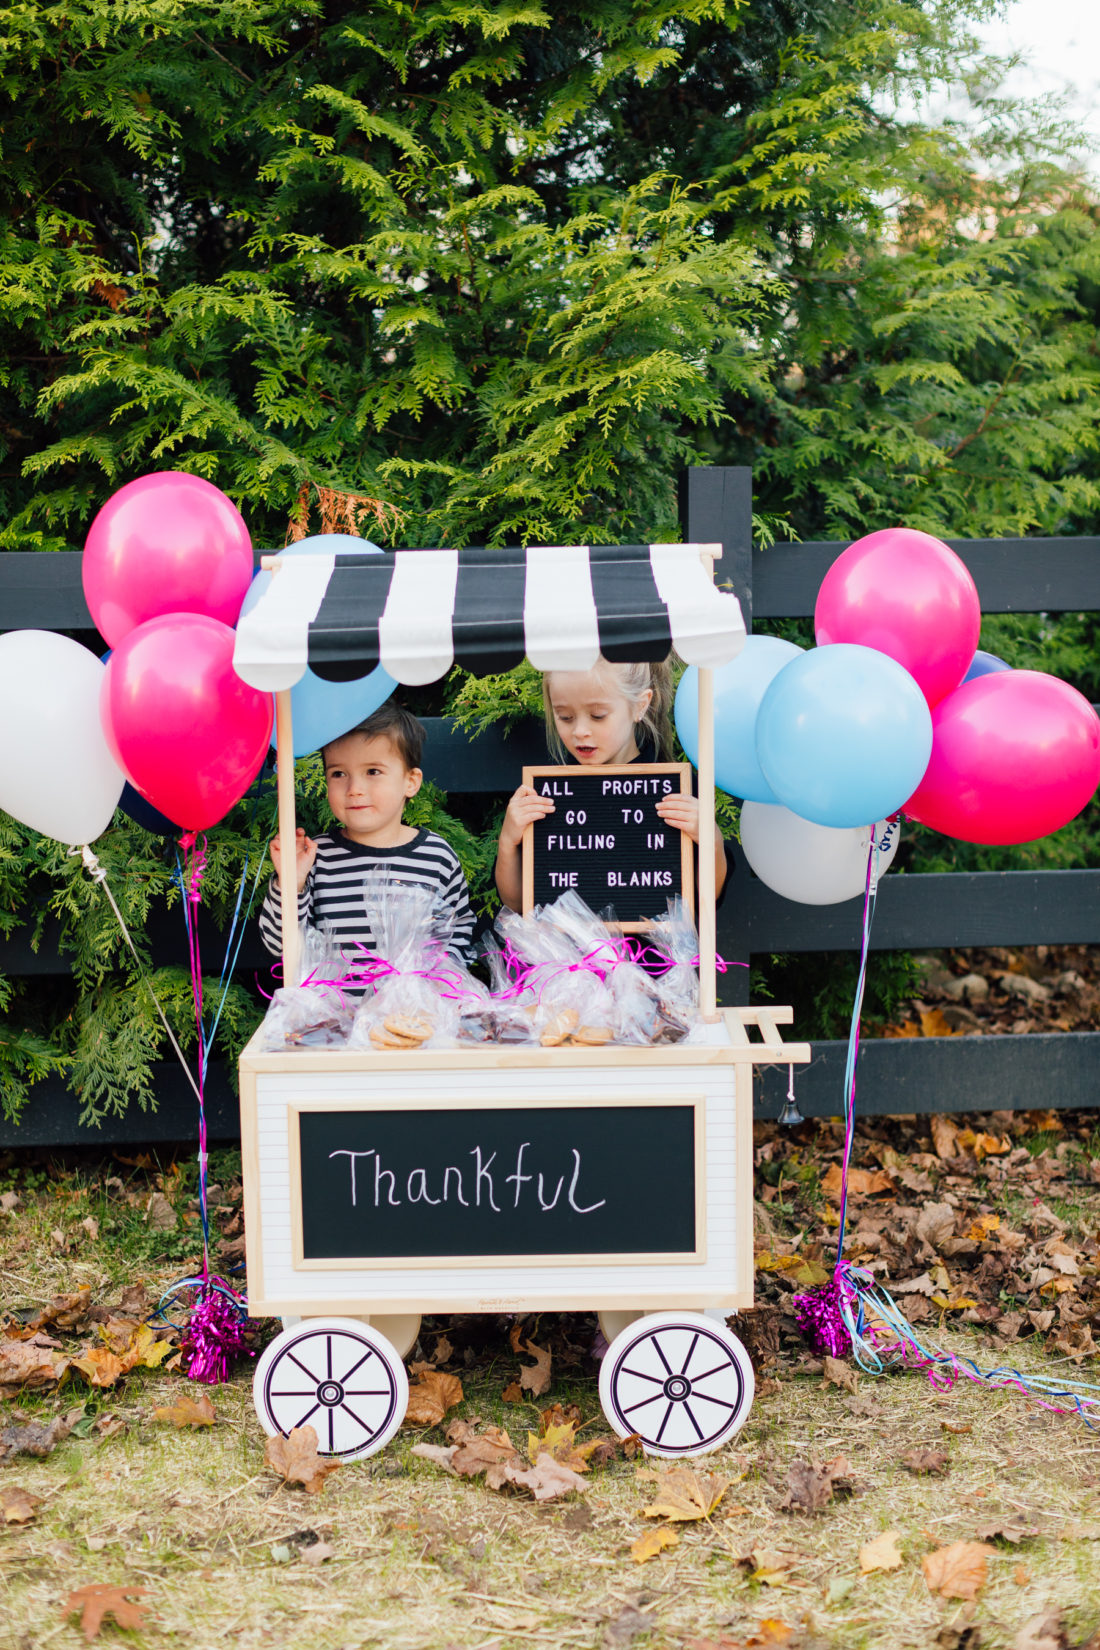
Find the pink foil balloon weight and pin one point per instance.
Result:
(166, 543)
(908, 595)
(189, 733)
(1015, 756)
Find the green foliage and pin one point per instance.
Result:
(508, 269)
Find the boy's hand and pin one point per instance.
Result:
(305, 852)
(525, 807)
(681, 812)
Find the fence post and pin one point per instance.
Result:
(716, 508)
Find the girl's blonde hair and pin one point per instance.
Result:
(631, 680)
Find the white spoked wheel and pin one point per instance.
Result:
(681, 1381)
(338, 1376)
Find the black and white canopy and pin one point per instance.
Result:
(418, 612)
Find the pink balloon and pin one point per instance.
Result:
(189, 733)
(166, 543)
(907, 595)
(1015, 756)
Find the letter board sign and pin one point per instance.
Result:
(606, 840)
(453, 1182)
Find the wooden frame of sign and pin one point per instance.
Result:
(626, 794)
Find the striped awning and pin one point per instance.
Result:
(418, 612)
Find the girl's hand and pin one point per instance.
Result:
(525, 807)
(681, 812)
(305, 852)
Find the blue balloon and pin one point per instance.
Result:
(984, 664)
(322, 710)
(844, 735)
(738, 689)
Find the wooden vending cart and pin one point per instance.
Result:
(381, 1185)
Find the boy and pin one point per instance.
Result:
(370, 773)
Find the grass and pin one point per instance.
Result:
(425, 1561)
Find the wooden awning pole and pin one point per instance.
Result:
(288, 825)
(708, 925)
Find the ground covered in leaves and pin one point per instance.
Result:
(138, 1508)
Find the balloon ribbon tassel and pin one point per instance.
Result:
(214, 1336)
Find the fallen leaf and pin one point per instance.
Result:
(933, 1024)
(160, 1214)
(935, 1223)
(25, 1367)
(441, 1455)
(296, 1460)
(944, 1135)
(99, 1600)
(431, 1396)
(1007, 1529)
(811, 1485)
(443, 1350)
(770, 1565)
(512, 1394)
(535, 1378)
(684, 1496)
(983, 1226)
(838, 1373)
(65, 1311)
(18, 1505)
(32, 1439)
(958, 1570)
(559, 1441)
(921, 1285)
(861, 1183)
(91, 1226)
(950, 1426)
(317, 1553)
(188, 1412)
(654, 1541)
(1042, 1632)
(926, 1462)
(628, 1625)
(546, 1480)
(881, 1553)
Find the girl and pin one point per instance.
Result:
(608, 715)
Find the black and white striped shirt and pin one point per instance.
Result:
(335, 894)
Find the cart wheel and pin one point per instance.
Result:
(338, 1376)
(682, 1382)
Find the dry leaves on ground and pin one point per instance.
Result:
(958, 1570)
(683, 1496)
(811, 1485)
(653, 1541)
(493, 1453)
(17, 1505)
(535, 1378)
(881, 1553)
(930, 1463)
(98, 1601)
(187, 1412)
(30, 1438)
(1013, 1530)
(431, 1395)
(765, 1633)
(296, 1460)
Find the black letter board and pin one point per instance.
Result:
(489, 1181)
(606, 839)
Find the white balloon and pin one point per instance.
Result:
(57, 773)
(812, 864)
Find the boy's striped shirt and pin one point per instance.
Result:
(335, 894)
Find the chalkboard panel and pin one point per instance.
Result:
(395, 1182)
(606, 840)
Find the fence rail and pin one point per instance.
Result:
(903, 1075)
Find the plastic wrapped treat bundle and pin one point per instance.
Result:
(674, 948)
(318, 1012)
(418, 986)
(561, 986)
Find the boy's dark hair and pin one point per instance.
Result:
(394, 723)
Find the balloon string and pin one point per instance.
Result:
(195, 852)
(98, 874)
(855, 1314)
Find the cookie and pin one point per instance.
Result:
(414, 1028)
(557, 1030)
(592, 1036)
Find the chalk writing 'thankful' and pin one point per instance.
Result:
(374, 1185)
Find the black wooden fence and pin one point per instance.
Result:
(897, 1075)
